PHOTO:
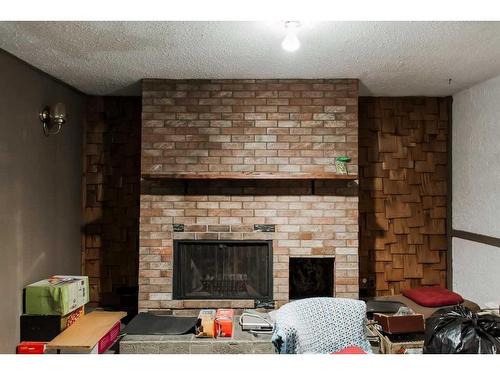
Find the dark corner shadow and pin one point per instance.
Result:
(115, 124)
(133, 90)
(368, 225)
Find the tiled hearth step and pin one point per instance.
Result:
(240, 343)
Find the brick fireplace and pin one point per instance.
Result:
(249, 160)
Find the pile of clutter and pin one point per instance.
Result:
(219, 323)
(51, 306)
(215, 323)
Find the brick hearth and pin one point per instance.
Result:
(286, 126)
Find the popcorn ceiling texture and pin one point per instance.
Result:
(390, 58)
(217, 126)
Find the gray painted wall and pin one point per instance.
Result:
(476, 198)
(40, 188)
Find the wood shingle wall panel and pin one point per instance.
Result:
(111, 184)
(403, 187)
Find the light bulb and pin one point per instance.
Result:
(59, 113)
(291, 43)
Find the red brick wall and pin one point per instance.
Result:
(248, 125)
(324, 224)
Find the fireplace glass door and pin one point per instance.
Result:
(222, 270)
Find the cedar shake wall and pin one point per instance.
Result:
(285, 126)
(111, 195)
(403, 192)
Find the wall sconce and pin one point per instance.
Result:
(53, 121)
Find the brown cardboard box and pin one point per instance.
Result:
(205, 326)
(396, 324)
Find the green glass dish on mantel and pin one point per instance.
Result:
(341, 164)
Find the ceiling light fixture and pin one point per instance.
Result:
(291, 43)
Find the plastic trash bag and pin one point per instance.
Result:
(457, 330)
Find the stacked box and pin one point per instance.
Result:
(27, 347)
(46, 327)
(51, 306)
(400, 324)
(58, 295)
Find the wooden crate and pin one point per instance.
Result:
(389, 347)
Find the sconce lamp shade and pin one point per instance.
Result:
(53, 120)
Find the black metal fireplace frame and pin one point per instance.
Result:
(177, 281)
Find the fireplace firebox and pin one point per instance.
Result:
(311, 277)
(222, 270)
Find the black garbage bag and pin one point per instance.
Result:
(457, 330)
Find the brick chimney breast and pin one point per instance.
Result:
(248, 126)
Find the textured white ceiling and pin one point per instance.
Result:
(390, 58)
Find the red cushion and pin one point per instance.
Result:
(433, 296)
(350, 350)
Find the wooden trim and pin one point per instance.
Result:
(476, 237)
(248, 175)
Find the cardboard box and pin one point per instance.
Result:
(30, 347)
(109, 338)
(410, 344)
(393, 324)
(46, 327)
(58, 295)
(205, 325)
(395, 344)
(224, 322)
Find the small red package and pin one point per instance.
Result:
(224, 322)
(31, 347)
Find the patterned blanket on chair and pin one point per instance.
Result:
(320, 325)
